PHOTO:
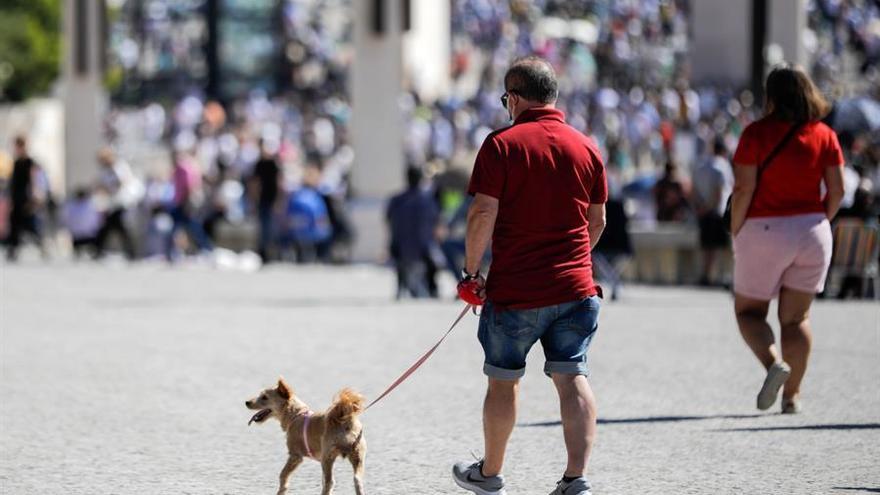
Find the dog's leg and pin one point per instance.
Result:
(357, 463)
(292, 463)
(327, 467)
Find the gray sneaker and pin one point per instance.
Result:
(777, 375)
(470, 477)
(577, 486)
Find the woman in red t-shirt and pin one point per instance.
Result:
(780, 223)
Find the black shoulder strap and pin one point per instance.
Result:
(788, 135)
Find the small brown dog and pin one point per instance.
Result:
(321, 436)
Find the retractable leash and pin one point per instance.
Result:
(406, 374)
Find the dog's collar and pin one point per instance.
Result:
(307, 416)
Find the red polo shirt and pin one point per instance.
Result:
(792, 182)
(545, 174)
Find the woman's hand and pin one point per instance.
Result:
(834, 185)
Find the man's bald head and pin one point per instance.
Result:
(533, 79)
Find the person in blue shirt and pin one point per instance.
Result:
(412, 217)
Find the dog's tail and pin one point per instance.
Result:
(346, 406)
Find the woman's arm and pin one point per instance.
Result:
(745, 182)
(834, 184)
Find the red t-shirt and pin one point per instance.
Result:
(545, 174)
(791, 183)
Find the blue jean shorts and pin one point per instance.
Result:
(565, 331)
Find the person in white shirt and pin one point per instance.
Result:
(712, 184)
(119, 184)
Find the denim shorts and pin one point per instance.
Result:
(565, 331)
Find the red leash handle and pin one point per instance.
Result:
(471, 291)
(406, 374)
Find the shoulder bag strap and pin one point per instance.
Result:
(728, 210)
(788, 135)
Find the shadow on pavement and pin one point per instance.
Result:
(857, 489)
(847, 426)
(649, 419)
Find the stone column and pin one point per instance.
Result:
(85, 100)
(376, 124)
(395, 41)
(376, 75)
(427, 49)
(722, 31)
(786, 25)
(721, 41)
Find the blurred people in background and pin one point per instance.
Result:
(155, 207)
(412, 217)
(83, 221)
(624, 78)
(266, 183)
(343, 230)
(670, 195)
(122, 191)
(452, 244)
(615, 248)
(864, 213)
(308, 227)
(27, 197)
(712, 185)
(188, 196)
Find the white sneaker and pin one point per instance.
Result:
(776, 378)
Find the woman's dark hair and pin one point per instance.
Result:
(533, 79)
(792, 96)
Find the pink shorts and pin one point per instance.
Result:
(774, 252)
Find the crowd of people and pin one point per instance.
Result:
(667, 143)
(623, 79)
(149, 217)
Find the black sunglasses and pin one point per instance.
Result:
(505, 97)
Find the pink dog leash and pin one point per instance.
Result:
(406, 374)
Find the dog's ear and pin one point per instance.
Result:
(283, 389)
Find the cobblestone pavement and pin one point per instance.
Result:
(132, 381)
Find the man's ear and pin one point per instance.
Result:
(284, 389)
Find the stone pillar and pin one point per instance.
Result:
(722, 37)
(396, 42)
(721, 41)
(376, 124)
(85, 101)
(427, 49)
(376, 75)
(786, 25)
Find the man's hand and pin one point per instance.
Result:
(472, 290)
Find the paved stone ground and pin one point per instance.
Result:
(132, 380)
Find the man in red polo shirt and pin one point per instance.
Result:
(539, 195)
